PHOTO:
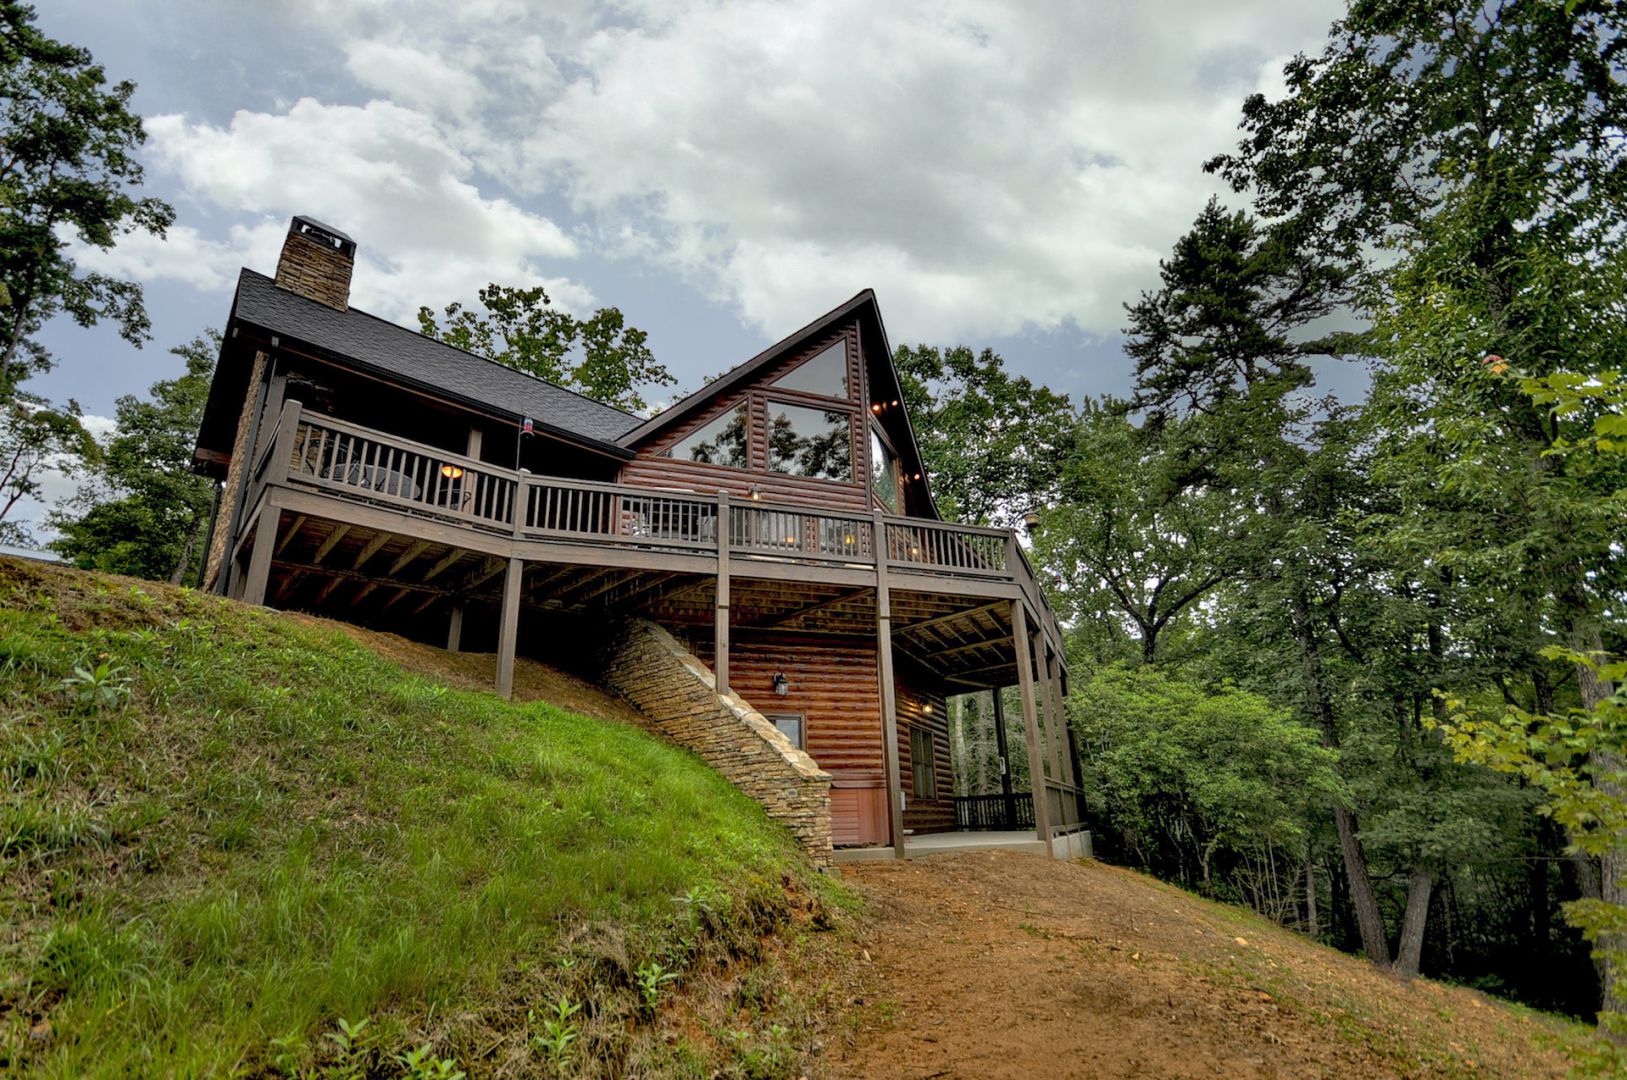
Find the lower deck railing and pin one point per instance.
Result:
(994, 813)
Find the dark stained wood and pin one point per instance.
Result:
(338, 534)
(508, 627)
(889, 702)
(921, 708)
(720, 593)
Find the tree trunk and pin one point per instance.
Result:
(1310, 896)
(1409, 953)
(1369, 922)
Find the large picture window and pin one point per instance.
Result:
(824, 374)
(724, 441)
(816, 443)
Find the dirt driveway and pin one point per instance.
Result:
(997, 964)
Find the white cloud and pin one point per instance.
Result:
(987, 167)
(383, 173)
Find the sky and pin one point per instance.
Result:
(1002, 174)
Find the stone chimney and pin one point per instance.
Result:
(316, 262)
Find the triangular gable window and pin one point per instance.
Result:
(824, 374)
(722, 441)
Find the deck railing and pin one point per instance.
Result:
(995, 813)
(364, 464)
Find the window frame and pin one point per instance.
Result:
(874, 428)
(813, 403)
(801, 741)
(669, 451)
(929, 759)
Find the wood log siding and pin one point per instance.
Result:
(649, 469)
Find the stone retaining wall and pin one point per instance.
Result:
(678, 694)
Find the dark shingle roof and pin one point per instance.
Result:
(411, 357)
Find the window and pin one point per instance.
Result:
(810, 442)
(883, 472)
(790, 725)
(824, 374)
(921, 764)
(721, 442)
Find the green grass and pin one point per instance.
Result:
(223, 832)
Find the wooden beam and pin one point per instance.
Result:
(781, 620)
(720, 615)
(991, 643)
(293, 531)
(1025, 684)
(655, 584)
(889, 696)
(327, 590)
(451, 557)
(370, 550)
(927, 623)
(491, 569)
(286, 586)
(414, 550)
(365, 591)
(615, 582)
(429, 602)
(400, 594)
(454, 629)
(329, 544)
(508, 627)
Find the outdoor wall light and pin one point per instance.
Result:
(876, 408)
(782, 685)
(756, 493)
(926, 710)
(451, 472)
(1031, 522)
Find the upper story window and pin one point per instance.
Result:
(824, 374)
(884, 476)
(724, 441)
(816, 443)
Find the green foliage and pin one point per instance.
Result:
(651, 976)
(33, 438)
(267, 829)
(70, 164)
(1200, 780)
(145, 511)
(601, 356)
(993, 443)
(557, 1042)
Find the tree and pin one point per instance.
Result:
(993, 443)
(1480, 146)
(1212, 786)
(67, 167)
(1133, 538)
(36, 438)
(601, 356)
(145, 510)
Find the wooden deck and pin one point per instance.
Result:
(350, 498)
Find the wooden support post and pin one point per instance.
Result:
(1005, 756)
(509, 627)
(283, 452)
(265, 543)
(720, 628)
(1025, 682)
(454, 629)
(889, 692)
(1055, 721)
(472, 450)
(1053, 689)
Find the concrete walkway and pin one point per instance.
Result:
(916, 847)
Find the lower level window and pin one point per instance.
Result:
(790, 725)
(921, 759)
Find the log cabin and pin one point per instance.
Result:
(778, 523)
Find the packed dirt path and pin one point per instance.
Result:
(997, 964)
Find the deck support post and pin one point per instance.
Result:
(720, 625)
(1005, 756)
(454, 628)
(889, 692)
(508, 627)
(1055, 721)
(1064, 738)
(1025, 683)
(265, 543)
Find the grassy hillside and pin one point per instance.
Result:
(229, 837)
